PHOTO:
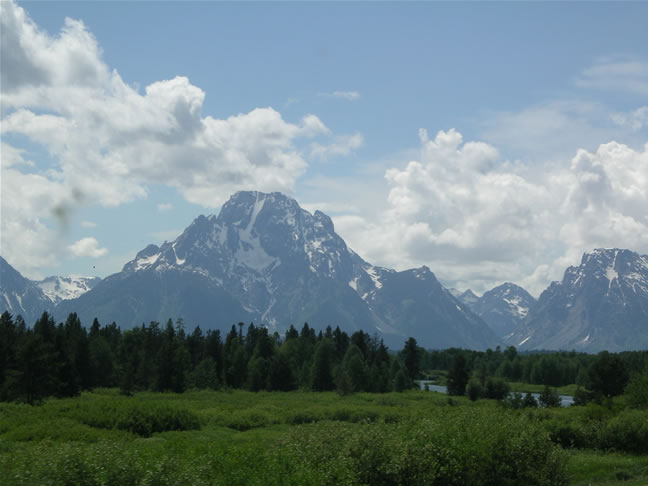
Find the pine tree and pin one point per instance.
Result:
(322, 369)
(412, 359)
(458, 376)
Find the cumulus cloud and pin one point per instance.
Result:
(87, 247)
(109, 141)
(478, 219)
(345, 95)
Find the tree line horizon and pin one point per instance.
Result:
(49, 359)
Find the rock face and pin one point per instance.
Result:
(600, 305)
(265, 259)
(21, 296)
(503, 307)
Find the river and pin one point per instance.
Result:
(565, 400)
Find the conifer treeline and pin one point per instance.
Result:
(61, 360)
(556, 368)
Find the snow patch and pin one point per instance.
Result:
(143, 263)
(252, 254)
(354, 284)
(611, 274)
(64, 288)
(179, 261)
(516, 307)
(524, 341)
(371, 271)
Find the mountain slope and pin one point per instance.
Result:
(264, 258)
(503, 307)
(601, 304)
(21, 296)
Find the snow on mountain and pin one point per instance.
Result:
(503, 307)
(600, 304)
(57, 289)
(20, 296)
(274, 262)
(468, 297)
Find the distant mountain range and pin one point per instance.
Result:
(503, 307)
(264, 259)
(600, 305)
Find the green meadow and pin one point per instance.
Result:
(304, 438)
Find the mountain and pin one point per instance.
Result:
(600, 305)
(21, 296)
(467, 297)
(57, 289)
(265, 259)
(502, 307)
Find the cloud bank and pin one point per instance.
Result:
(108, 141)
(478, 219)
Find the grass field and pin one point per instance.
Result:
(243, 438)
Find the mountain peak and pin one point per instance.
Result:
(600, 304)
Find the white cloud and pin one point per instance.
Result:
(619, 73)
(477, 219)
(341, 145)
(108, 141)
(164, 207)
(87, 247)
(346, 95)
(88, 224)
(635, 120)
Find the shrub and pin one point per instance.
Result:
(637, 391)
(455, 448)
(496, 388)
(628, 432)
(549, 398)
(474, 390)
(138, 419)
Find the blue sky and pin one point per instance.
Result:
(497, 190)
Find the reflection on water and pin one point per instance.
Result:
(565, 400)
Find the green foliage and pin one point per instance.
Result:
(139, 419)
(608, 375)
(549, 398)
(529, 401)
(495, 388)
(637, 391)
(458, 376)
(412, 359)
(322, 371)
(401, 381)
(474, 390)
(205, 374)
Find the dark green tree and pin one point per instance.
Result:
(35, 374)
(281, 376)
(412, 359)
(322, 368)
(458, 376)
(549, 398)
(608, 376)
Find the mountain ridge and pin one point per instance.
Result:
(276, 263)
(601, 304)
